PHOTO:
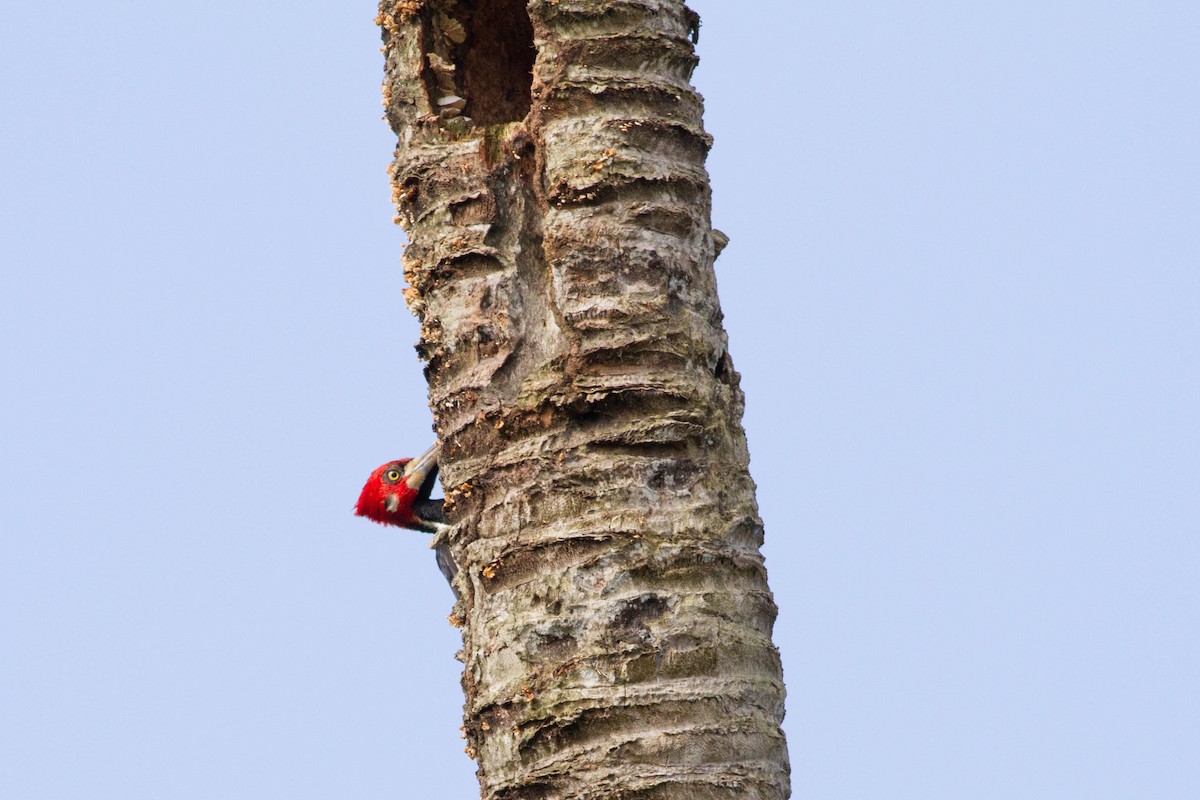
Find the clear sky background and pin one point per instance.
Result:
(963, 291)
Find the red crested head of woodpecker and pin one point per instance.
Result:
(398, 494)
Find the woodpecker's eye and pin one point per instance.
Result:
(392, 475)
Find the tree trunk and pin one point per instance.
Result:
(615, 610)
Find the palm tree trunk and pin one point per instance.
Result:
(615, 610)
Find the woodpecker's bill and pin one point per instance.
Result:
(398, 494)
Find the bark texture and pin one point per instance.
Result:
(615, 611)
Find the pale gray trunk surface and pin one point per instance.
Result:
(615, 610)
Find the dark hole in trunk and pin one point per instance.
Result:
(496, 64)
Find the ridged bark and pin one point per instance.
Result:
(615, 611)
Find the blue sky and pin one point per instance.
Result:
(963, 291)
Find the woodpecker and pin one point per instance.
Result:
(398, 494)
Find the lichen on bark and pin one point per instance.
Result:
(615, 611)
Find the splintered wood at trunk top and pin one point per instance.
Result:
(615, 610)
